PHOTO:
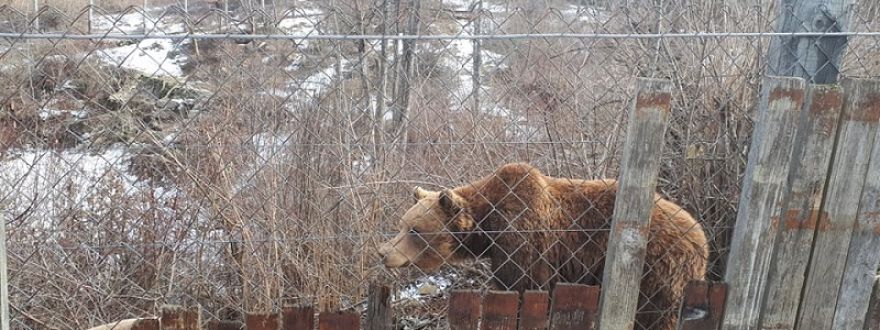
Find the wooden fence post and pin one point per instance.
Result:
(262, 321)
(574, 306)
(464, 309)
(845, 182)
(864, 247)
(765, 176)
(500, 309)
(533, 314)
(298, 318)
(800, 206)
(816, 59)
(339, 321)
(703, 305)
(378, 309)
(648, 119)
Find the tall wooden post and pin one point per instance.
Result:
(765, 177)
(648, 119)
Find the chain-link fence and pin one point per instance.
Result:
(241, 155)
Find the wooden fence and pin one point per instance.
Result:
(805, 250)
(570, 306)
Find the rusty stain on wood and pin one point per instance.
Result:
(649, 100)
(867, 109)
(817, 220)
(796, 95)
(826, 105)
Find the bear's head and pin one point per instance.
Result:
(431, 232)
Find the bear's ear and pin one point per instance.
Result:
(450, 202)
(419, 193)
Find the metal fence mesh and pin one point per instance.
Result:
(241, 173)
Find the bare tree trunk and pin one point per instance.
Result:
(405, 71)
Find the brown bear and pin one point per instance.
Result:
(537, 230)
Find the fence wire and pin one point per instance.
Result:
(241, 155)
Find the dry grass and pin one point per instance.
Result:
(260, 198)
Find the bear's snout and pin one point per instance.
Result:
(391, 257)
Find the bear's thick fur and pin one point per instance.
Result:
(538, 230)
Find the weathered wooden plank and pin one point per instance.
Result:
(224, 325)
(872, 317)
(339, 321)
(174, 317)
(635, 199)
(845, 182)
(717, 301)
(534, 314)
(298, 318)
(703, 305)
(574, 306)
(800, 206)
(863, 257)
(694, 312)
(765, 177)
(262, 321)
(464, 309)
(815, 59)
(378, 309)
(499, 310)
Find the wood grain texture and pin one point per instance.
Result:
(262, 321)
(814, 59)
(298, 317)
(574, 306)
(637, 181)
(801, 206)
(339, 321)
(224, 325)
(378, 307)
(534, 314)
(872, 317)
(769, 160)
(464, 309)
(703, 306)
(500, 310)
(840, 204)
(863, 257)
(174, 317)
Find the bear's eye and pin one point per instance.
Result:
(413, 231)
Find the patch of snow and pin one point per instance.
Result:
(301, 21)
(586, 14)
(150, 56)
(412, 291)
(49, 113)
(460, 58)
(46, 183)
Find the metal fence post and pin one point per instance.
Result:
(91, 15)
(36, 15)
